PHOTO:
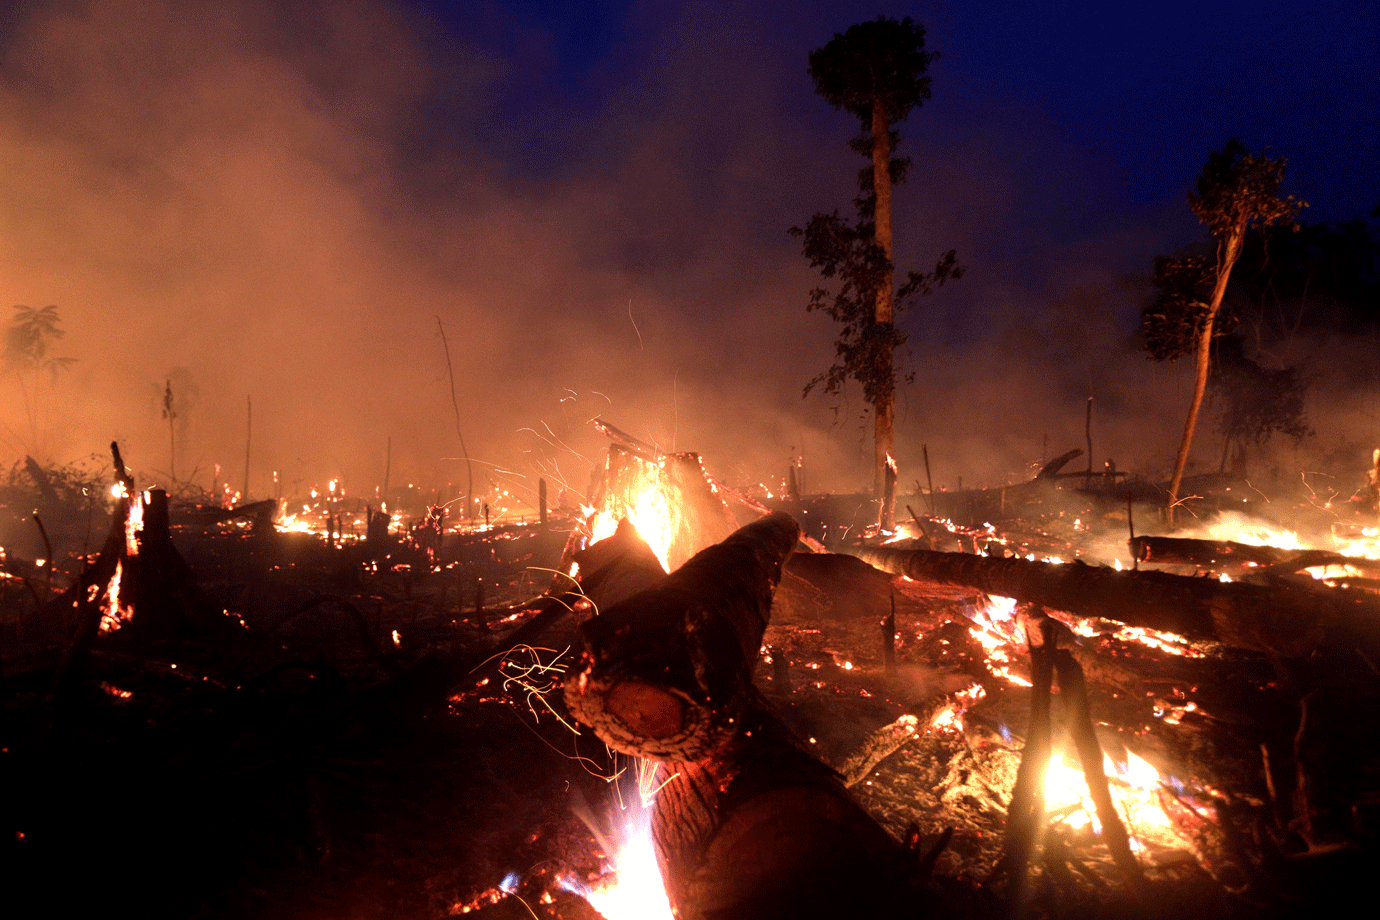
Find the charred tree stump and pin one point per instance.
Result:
(376, 541)
(168, 601)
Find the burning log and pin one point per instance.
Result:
(745, 823)
(1287, 619)
(1185, 551)
(666, 672)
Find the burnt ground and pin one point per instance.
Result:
(297, 760)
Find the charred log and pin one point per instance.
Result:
(666, 673)
(764, 830)
(746, 823)
(1287, 620)
(616, 568)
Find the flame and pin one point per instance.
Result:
(1368, 545)
(651, 512)
(1238, 528)
(134, 524)
(1137, 791)
(633, 890)
(996, 630)
(114, 612)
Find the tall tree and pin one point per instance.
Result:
(29, 340)
(1237, 191)
(875, 71)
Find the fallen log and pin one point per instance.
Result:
(665, 672)
(1273, 559)
(1288, 619)
(764, 830)
(745, 822)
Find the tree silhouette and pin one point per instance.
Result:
(875, 71)
(29, 340)
(1236, 192)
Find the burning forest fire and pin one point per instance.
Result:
(971, 724)
(329, 586)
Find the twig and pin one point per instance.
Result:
(47, 548)
(469, 469)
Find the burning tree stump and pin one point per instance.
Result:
(745, 823)
(665, 494)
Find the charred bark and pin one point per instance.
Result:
(1184, 551)
(745, 822)
(764, 830)
(666, 672)
(1287, 620)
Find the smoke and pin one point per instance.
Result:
(277, 205)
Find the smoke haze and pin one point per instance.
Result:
(238, 203)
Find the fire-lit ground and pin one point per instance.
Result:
(300, 765)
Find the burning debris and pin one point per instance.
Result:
(800, 731)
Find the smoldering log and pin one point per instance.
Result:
(666, 672)
(745, 822)
(764, 830)
(1287, 619)
(1188, 551)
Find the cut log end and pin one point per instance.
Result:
(645, 720)
(646, 710)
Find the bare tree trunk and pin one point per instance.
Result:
(885, 409)
(1231, 248)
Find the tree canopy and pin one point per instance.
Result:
(1236, 192)
(29, 338)
(878, 60)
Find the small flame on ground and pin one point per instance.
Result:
(633, 890)
(114, 613)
